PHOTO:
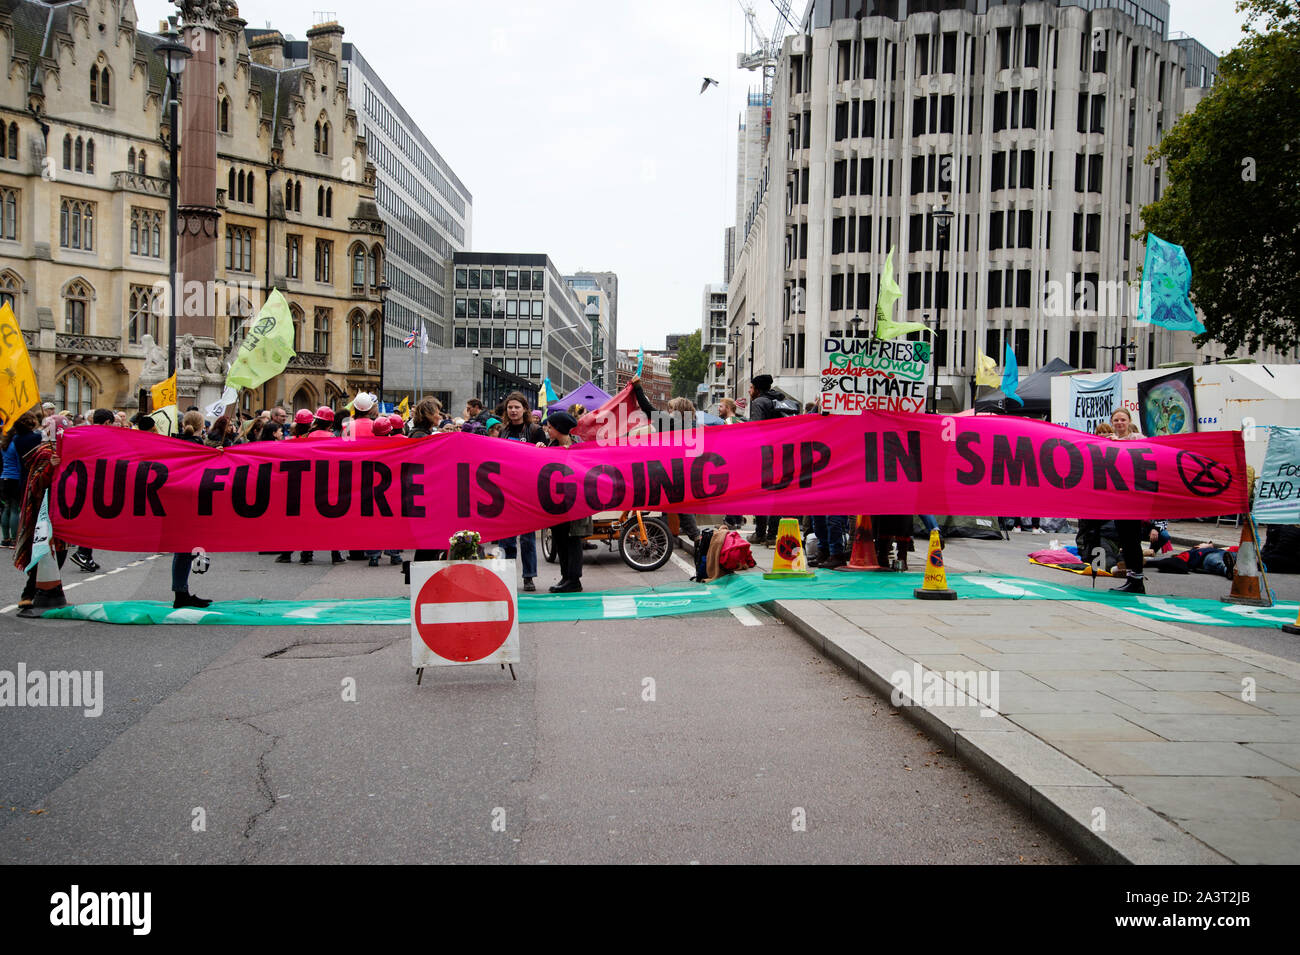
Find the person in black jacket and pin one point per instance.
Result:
(762, 407)
(1281, 551)
(567, 536)
(191, 431)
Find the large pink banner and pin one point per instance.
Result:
(124, 490)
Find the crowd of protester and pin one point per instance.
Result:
(30, 455)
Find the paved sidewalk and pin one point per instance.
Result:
(1137, 740)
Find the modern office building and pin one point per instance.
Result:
(713, 342)
(1028, 122)
(428, 210)
(607, 283)
(517, 312)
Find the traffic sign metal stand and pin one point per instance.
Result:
(464, 612)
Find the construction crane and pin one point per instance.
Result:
(765, 52)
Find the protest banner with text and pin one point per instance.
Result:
(867, 374)
(131, 491)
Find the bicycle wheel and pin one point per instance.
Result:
(653, 552)
(548, 546)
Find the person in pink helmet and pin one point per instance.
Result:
(398, 425)
(301, 424)
(322, 425)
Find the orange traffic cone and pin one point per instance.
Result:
(935, 585)
(789, 561)
(1245, 581)
(864, 547)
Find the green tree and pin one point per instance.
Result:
(688, 368)
(1233, 196)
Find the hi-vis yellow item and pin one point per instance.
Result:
(789, 560)
(889, 292)
(18, 391)
(404, 409)
(164, 393)
(935, 585)
(986, 371)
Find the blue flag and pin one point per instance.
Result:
(1011, 377)
(1166, 284)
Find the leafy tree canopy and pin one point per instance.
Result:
(1233, 194)
(688, 368)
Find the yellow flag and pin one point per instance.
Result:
(985, 373)
(887, 294)
(887, 328)
(164, 393)
(18, 391)
(404, 408)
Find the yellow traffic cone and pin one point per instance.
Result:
(1292, 628)
(935, 585)
(789, 560)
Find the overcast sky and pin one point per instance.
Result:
(579, 128)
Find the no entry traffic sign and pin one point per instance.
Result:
(464, 612)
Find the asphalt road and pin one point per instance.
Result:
(224, 745)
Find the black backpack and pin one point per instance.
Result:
(784, 407)
(702, 554)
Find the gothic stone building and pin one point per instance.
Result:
(84, 192)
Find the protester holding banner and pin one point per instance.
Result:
(567, 536)
(43, 589)
(17, 443)
(191, 431)
(519, 426)
(679, 418)
(1130, 532)
(762, 407)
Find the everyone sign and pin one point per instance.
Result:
(1092, 402)
(131, 491)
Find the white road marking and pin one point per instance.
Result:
(745, 616)
(75, 584)
(468, 611)
(10, 607)
(96, 577)
(685, 567)
(618, 606)
(115, 570)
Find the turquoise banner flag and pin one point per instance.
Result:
(1277, 489)
(1011, 377)
(41, 536)
(640, 360)
(1166, 288)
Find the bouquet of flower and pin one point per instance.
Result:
(463, 545)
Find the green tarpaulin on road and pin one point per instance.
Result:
(737, 590)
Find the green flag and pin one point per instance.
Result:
(268, 346)
(889, 292)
